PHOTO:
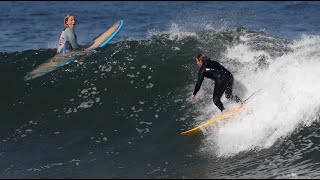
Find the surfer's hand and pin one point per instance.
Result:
(193, 97)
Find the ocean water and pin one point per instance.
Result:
(119, 112)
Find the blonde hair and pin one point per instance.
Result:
(66, 19)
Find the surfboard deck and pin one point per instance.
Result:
(53, 64)
(224, 115)
(62, 59)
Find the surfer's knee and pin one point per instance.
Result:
(228, 96)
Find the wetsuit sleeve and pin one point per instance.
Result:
(72, 38)
(199, 81)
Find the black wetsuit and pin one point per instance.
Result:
(223, 81)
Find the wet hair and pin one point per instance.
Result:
(203, 57)
(66, 19)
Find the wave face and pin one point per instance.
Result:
(119, 111)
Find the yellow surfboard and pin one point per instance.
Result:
(224, 115)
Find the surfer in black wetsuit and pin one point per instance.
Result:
(222, 77)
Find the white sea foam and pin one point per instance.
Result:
(174, 31)
(289, 98)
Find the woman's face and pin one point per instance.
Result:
(71, 22)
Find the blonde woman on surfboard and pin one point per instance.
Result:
(68, 38)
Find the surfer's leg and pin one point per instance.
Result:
(217, 94)
(228, 92)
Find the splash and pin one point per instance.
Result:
(175, 32)
(289, 99)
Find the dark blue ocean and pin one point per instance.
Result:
(119, 111)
